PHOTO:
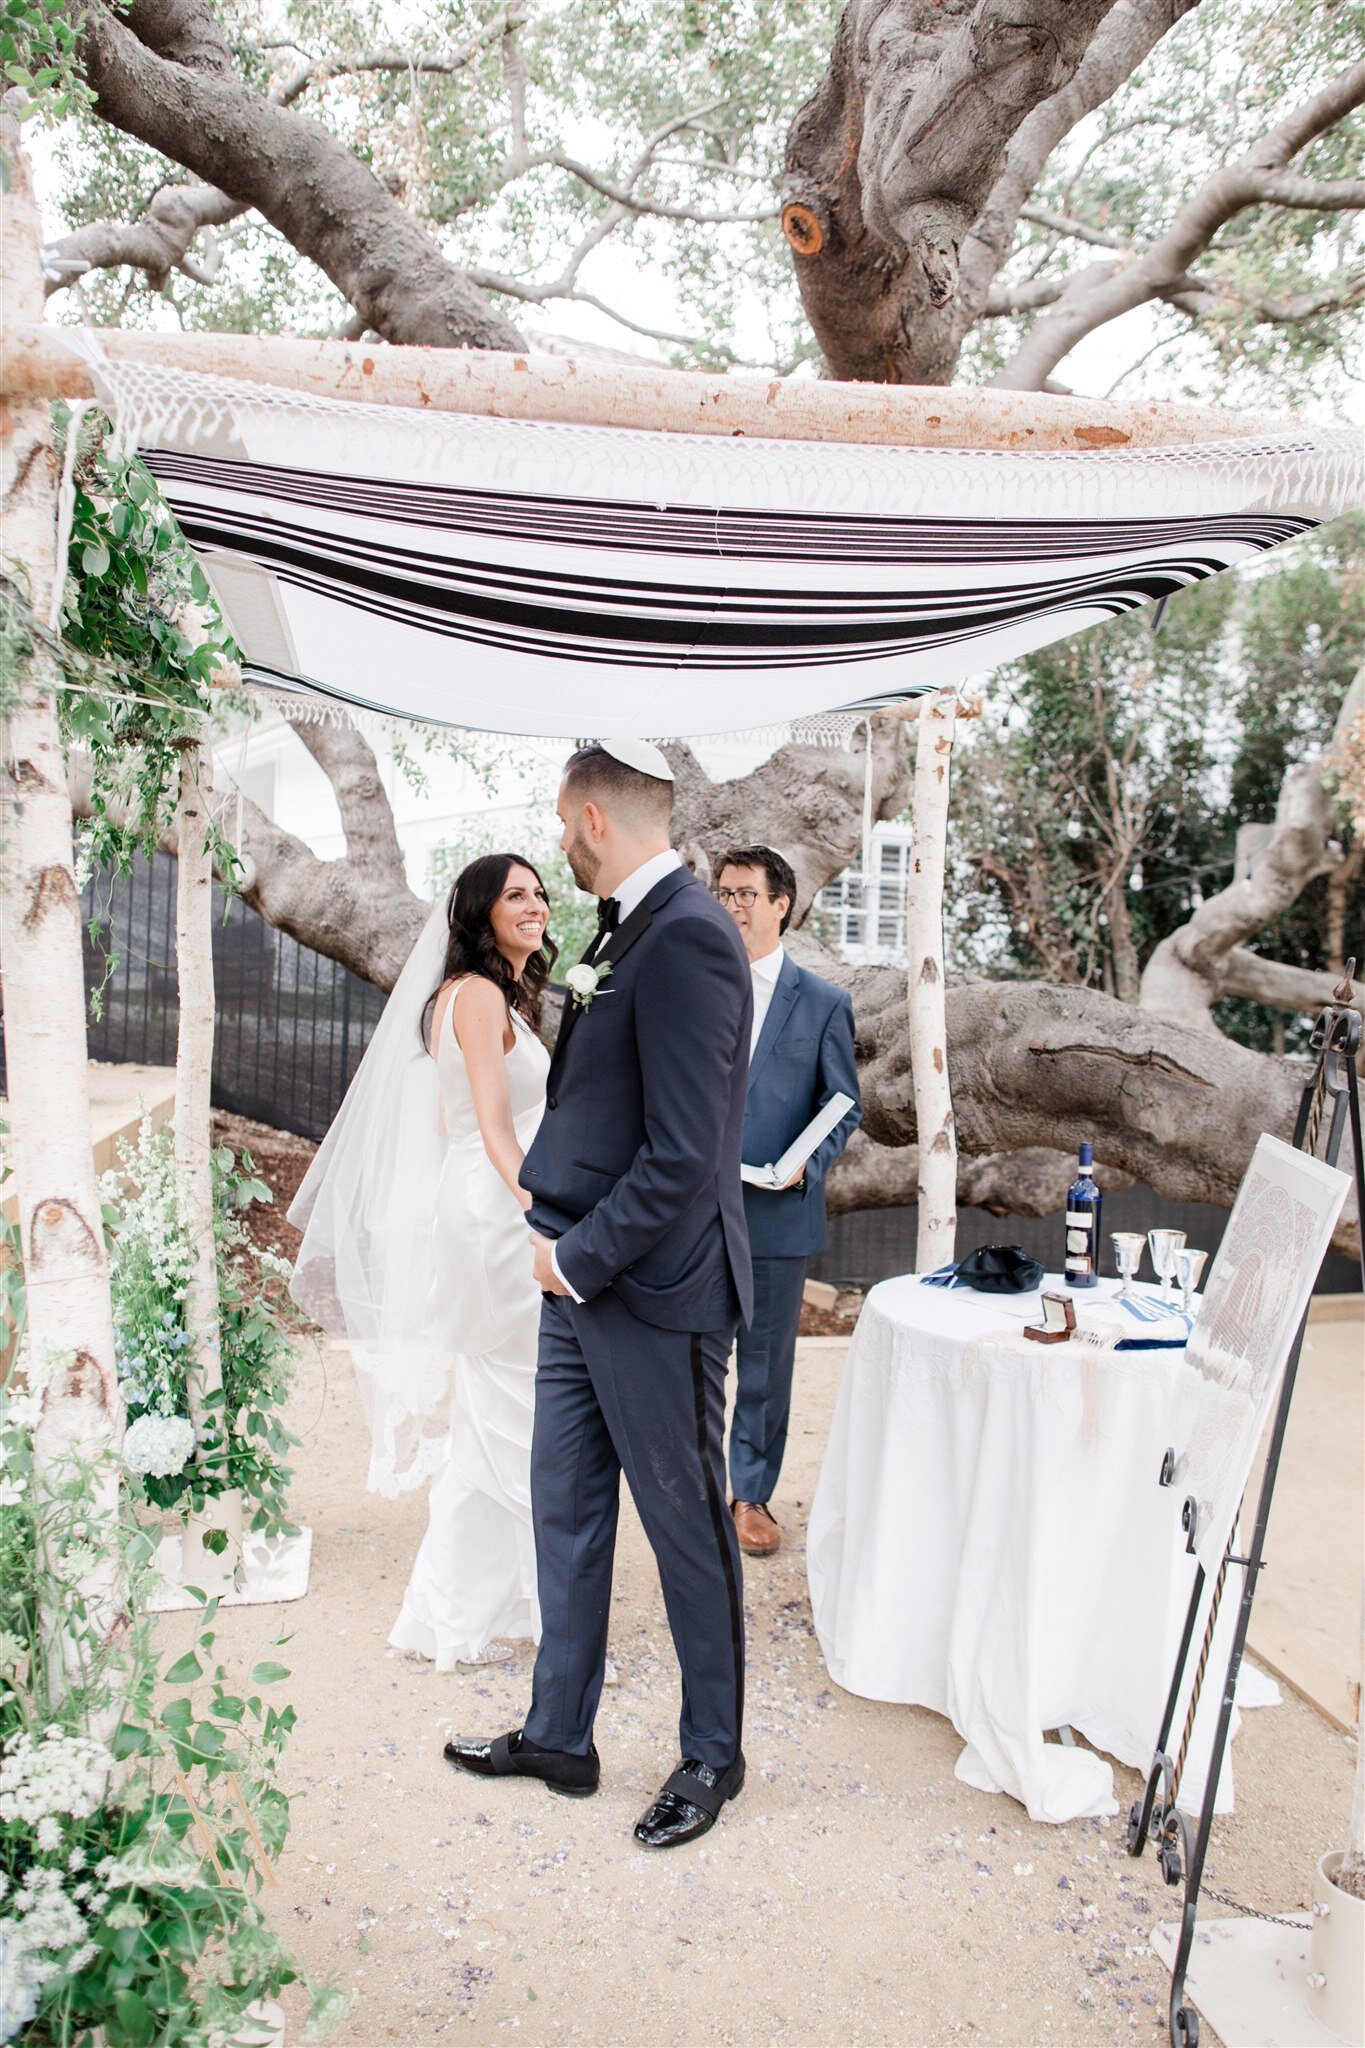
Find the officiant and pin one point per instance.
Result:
(801, 1054)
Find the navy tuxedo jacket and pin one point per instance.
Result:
(803, 1056)
(635, 1167)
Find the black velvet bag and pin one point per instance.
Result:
(1000, 1269)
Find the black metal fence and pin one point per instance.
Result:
(872, 1244)
(290, 1025)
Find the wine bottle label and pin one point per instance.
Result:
(1075, 1264)
(1083, 1219)
(1078, 1240)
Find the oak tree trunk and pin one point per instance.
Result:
(893, 159)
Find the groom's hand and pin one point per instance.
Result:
(546, 1278)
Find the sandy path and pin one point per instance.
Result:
(855, 1894)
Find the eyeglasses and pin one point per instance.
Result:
(745, 898)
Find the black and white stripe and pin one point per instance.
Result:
(560, 586)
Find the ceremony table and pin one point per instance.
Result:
(988, 1539)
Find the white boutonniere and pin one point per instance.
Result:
(582, 981)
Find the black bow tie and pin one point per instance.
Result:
(608, 914)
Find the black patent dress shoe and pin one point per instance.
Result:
(689, 1803)
(509, 1756)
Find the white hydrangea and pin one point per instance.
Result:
(59, 1774)
(12, 1492)
(159, 1445)
(12, 1648)
(18, 1982)
(48, 1834)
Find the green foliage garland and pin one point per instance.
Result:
(133, 1834)
(151, 1257)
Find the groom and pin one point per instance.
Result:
(643, 1259)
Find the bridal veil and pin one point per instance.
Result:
(367, 1210)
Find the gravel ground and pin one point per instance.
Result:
(854, 1894)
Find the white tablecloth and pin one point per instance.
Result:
(988, 1539)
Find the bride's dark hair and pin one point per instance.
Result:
(472, 949)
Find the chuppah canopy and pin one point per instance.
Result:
(545, 576)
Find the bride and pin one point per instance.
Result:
(415, 1250)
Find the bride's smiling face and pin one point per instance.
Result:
(519, 917)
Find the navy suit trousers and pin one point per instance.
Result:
(765, 1354)
(614, 1394)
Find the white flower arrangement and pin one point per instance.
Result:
(56, 1774)
(18, 1982)
(158, 1446)
(582, 981)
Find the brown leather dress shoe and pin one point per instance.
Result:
(758, 1533)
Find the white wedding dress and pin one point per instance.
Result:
(475, 1574)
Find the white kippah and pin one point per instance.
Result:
(640, 755)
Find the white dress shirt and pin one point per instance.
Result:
(630, 894)
(765, 973)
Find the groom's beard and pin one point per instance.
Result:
(584, 864)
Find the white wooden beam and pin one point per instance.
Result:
(36, 363)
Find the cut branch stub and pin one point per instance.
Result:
(803, 228)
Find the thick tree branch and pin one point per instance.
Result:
(307, 184)
(159, 242)
(1277, 985)
(895, 157)
(347, 759)
(156, 244)
(1031, 1182)
(1178, 1109)
(1255, 178)
(1127, 36)
(364, 917)
(1186, 974)
(806, 801)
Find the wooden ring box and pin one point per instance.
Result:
(1059, 1320)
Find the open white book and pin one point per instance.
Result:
(798, 1152)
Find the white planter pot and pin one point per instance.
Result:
(262, 2026)
(215, 1572)
(1336, 1984)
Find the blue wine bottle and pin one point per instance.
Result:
(1081, 1264)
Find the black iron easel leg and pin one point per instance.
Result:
(1184, 2022)
(1331, 1095)
(1160, 1791)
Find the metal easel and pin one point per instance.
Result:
(1330, 1099)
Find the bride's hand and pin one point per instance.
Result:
(524, 1198)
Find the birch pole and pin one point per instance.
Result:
(193, 1078)
(937, 1235)
(70, 1325)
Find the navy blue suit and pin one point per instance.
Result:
(804, 1055)
(635, 1172)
